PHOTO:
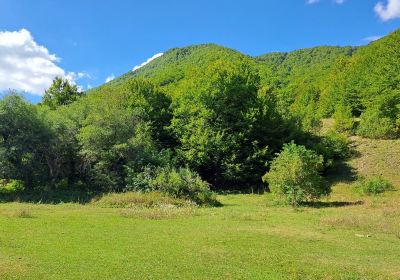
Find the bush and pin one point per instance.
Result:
(179, 183)
(9, 186)
(376, 126)
(139, 181)
(344, 121)
(294, 174)
(333, 146)
(182, 183)
(373, 186)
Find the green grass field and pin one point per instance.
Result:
(250, 237)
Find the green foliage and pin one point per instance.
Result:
(376, 126)
(294, 174)
(9, 186)
(153, 105)
(380, 121)
(218, 112)
(183, 183)
(344, 120)
(224, 124)
(179, 183)
(373, 186)
(369, 77)
(333, 146)
(61, 92)
(24, 142)
(111, 138)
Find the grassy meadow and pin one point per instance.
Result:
(348, 236)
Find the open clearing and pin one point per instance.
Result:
(251, 237)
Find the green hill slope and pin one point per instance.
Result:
(172, 66)
(309, 83)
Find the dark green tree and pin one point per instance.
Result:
(24, 142)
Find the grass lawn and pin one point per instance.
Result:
(247, 238)
(250, 237)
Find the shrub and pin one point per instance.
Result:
(179, 183)
(377, 126)
(182, 183)
(333, 146)
(139, 181)
(344, 121)
(9, 186)
(373, 186)
(294, 174)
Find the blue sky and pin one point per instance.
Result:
(92, 40)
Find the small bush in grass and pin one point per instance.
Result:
(294, 175)
(183, 183)
(373, 186)
(179, 183)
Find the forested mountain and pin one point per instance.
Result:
(308, 83)
(207, 109)
(174, 64)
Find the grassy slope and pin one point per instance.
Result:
(249, 237)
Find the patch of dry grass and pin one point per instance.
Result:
(368, 218)
(161, 213)
(142, 200)
(377, 158)
(10, 268)
(23, 213)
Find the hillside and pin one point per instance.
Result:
(304, 81)
(311, 65)
(172, 66)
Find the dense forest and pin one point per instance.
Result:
(204, 118)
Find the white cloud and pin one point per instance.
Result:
(27, 66)
(110, 78)
(310, 2)
(388, 10)
(147, 61)
(372, 38)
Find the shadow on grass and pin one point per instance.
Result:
(341, 172)
(48, 197)
(331, 204)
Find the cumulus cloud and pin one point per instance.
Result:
(372, 38)
(388, 10)
(27, 66)
(110, 78)
(147, 61)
